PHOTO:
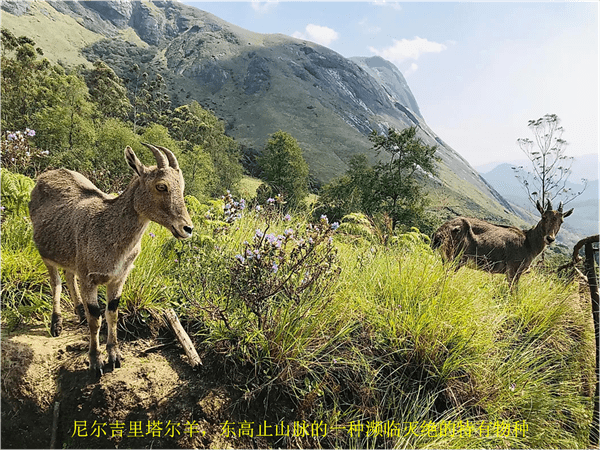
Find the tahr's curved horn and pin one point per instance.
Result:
(548, 205)
(170, 156)
(560, 207)
(161, 159)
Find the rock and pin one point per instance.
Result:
(258, 75)
(15, 7)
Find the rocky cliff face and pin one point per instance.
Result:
(262, 83)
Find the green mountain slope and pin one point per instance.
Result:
(257, 84)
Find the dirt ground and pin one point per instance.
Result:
(155, 400)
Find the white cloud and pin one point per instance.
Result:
(393, 5)
(264, 6)
(412, 69)
(316, 33)
(408, 49)
(367, 28)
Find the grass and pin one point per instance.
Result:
(41, 26)
(248, 186)
(398, 350)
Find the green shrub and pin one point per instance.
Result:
(16, 192)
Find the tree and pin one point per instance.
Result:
(26, 82)
(159, 102)
(352, 192)
(284, 169)
(137, 90)
(67, 124)
(397, 190)
(107, 91)
(200, 130)
(551, 168)
(389, 190)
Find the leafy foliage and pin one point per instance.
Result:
(391, 187)
(107, 92)
(81, 122)
(25, 81)
(284, 170)
(202, 133)
(16, 193)
(352, 192)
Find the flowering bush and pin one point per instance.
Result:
(232, 209)
(16, 151)
(225, 277)
(289, 266)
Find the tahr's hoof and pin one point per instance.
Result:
(114, 356)
(96, 365)
(114, 361)
(111, 366)
(56, 327)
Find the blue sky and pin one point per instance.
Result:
(479, 71)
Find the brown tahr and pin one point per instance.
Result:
(498, 248)
(96, 237)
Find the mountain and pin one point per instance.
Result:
(584, 166)
(257, 84)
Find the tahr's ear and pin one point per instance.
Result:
(568, 213)
(133, 161)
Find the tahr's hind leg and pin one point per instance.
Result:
(56, 285)
(113, 297)
(75, 295)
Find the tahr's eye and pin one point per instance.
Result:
(161, 187)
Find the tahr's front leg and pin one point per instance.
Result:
(89, 293)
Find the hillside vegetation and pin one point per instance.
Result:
(322, 323)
